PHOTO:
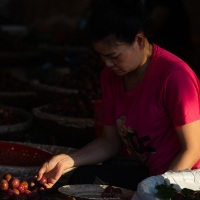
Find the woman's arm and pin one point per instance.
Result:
(99, 150)
(189, 136)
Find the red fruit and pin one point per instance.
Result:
(21, 188)
(15, 191)
(14, 183)
(25, 183)
(4, 184)
(43, 180)
(7, 176)
(9, 192)
(27, 192)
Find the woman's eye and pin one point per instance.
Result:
(114, 57)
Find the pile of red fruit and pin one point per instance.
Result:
(12, 188)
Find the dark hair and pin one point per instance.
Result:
(120, 18)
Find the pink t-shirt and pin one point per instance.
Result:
(146, 117)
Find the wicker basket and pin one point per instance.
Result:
(73, 132)
(27, 120)
(63, 120)
(47, 93)
(15, 90)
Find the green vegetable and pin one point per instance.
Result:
(165, 191)
(168, 192)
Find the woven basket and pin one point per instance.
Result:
(27, 120)
(63, 120)
(68, 131)
(47, 93)
(15, 90)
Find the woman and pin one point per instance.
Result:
(150, 98)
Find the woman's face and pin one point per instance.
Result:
(121, 57)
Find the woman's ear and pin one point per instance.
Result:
(140, 39)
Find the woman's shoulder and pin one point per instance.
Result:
(165, 63)
(167, 59)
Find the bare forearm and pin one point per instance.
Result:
(189, 137)
(184, 160)
(95, 152)
(99, 150)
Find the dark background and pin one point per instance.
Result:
(37, 37)
(62, 22)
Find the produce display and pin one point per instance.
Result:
(78, 106)
(9, 117)
(168, 192)
(82, 78)
(12, 188)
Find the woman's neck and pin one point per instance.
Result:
(132, 79)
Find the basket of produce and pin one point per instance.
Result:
(14, 120)
(70, 121)
(56, 84)
(16, 92)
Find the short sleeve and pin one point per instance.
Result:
(182, 97)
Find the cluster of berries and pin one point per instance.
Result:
(12, 188)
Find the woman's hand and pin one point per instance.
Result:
(98, 150)
(54, 168)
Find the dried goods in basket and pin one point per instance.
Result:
(14, 119)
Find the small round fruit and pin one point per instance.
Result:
(4, 184)
(7, 176)
(9, 192)
(14, 183)
(25, 183)
(21, 188)
(27, 192)
(43, 180)
(15, 191)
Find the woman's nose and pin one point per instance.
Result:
(108, 63)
